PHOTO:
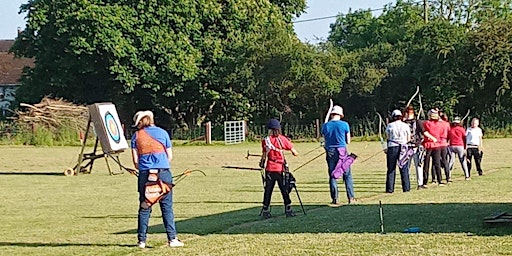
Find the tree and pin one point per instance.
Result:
(171, 55)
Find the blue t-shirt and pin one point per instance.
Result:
(335, 133)
(154, 160)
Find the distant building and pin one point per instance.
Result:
(11, 69)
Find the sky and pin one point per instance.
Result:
(308, 31)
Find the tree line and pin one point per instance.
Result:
(216, 60)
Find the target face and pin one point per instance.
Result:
(108, 127)
(112, 127)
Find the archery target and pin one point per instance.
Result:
(108, 127)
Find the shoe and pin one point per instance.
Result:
(335, 201)
(290, 213)
(449, 180)
(353, 155)
(266, 215)
(422, 187)
(176, 243)
(480, 173)
(352, 201)
(434, 182)
(468, 178)
(442, 184)
(141, 245)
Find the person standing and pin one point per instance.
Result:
(398, 134)
(336, 134)
(151, 155)
(445, 153)
(475, 146)
(457, 140)
(416, 127)
(432, 134)
(274, 163)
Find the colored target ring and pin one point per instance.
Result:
(112, 127)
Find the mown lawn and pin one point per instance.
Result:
(42, 212)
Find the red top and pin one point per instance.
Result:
(437, 129)
(457, 136)
(275, 157)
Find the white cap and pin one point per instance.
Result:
(396, 112)
(337, 110)
(139, 115)
(433, 114)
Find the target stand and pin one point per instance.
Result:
(108, 130)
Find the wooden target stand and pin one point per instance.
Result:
(109, 134)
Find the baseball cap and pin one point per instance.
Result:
(273, 124)
(396, 112)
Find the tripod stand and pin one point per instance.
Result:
(290, 183)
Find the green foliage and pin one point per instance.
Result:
(196, 61)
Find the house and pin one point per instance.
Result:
(11, 69)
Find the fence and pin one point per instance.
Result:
(365, 129)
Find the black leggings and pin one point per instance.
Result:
(270, 181)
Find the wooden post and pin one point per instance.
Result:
(208, 133)
(317, 128)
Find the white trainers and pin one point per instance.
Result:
(141, 245)
(176, 243)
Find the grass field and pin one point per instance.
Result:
(43, 212)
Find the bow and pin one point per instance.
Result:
(328, 111)
(466, 116)
(381, 123)
(184, 174)
(414, 95)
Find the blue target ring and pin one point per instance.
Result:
(112, 127)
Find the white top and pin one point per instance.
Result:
(473, 136)
(398, 132)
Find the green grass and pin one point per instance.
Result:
(46, 213)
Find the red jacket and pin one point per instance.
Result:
(457, 136)
(439, 130)
(275, 151)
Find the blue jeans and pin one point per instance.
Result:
(392, 159)
(332, 157)
(165, 206)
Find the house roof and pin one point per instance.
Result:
(11, 68)
(5, 45)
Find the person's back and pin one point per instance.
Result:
(335, 133)
(398, 133)
(457, 136)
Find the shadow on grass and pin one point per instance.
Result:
(20, 244)
(464, 218)
(33, 173)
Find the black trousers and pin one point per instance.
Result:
(477, 155)
(435, 154)
(445, 164)
(271, 178)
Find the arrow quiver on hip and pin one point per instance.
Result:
(154, 189)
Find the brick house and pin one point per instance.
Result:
(11, 69)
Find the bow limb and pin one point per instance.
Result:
(420, 112)
(184, 174)
(328, 111)
(381, 122)
(413, 96)
(466, 116)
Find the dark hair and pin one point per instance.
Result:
(275, 132)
